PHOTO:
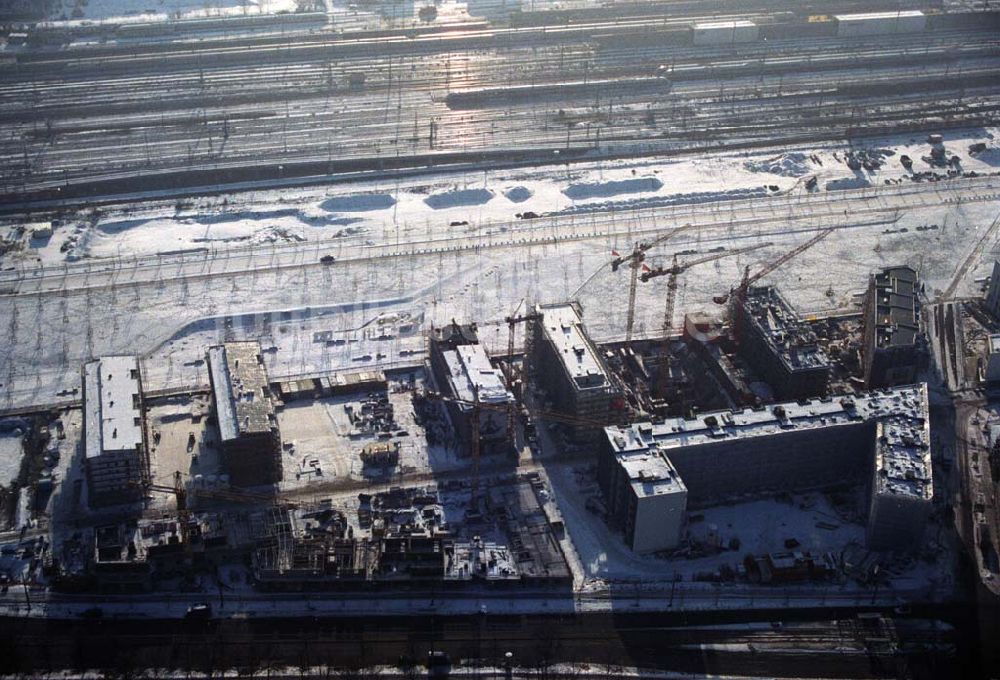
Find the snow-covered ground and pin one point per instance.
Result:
(383, 292)
(126, 11)
(11, 455)
(341, 14)
(171, 321)
(174, 321)
(422, 208)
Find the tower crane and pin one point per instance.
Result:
(634, 261)
(512, 321)
(737, 296)
(673, 272)
(181, 496)
(677, 268)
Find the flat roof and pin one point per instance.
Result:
(111, 403)
(896, 307)
(871, 16)
(785, 333)
(649, 471)
(564, 329)
(239, 381)
(470, 370)
(651, 475)
(905, 449)
(902, 458)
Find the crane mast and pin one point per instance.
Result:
(634, 261)
(737, 298)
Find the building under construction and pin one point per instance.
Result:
(571, 370)
(992, 301)
(331, 385)
(248, 427)
(892, 338)
(132, 556)
(408, 544)
(114, 434)
(473, 391)
(882, 439)
(779, 346)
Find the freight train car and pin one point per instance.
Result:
(724, 32)
(880, 23)
(497, 96)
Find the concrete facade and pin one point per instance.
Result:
(462, 371)
(572, 371)
(780, 347)
(248, 427)
(993, 291)
(644, 495)
(880, 438)
(892, 337)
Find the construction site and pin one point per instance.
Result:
(437, 477)
(521, 333)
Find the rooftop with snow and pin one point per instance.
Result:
(896, 307)
(111, 402)
(473, 376)
(783, 330)
(564, 329)
(239, 381)
(901, 415)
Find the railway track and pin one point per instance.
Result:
(808, 104)
(77, 279)
(988, 238)
(64, 151)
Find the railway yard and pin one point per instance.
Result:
(514, 327)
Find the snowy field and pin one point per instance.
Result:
(341, 14)
(125, 11)
(11, 455)
(412, 254)
(489, 202)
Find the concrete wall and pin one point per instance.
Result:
(755, 466)
(896, 522)
(588, 404)
(786, 384)
(993, 293)
(658, 522)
